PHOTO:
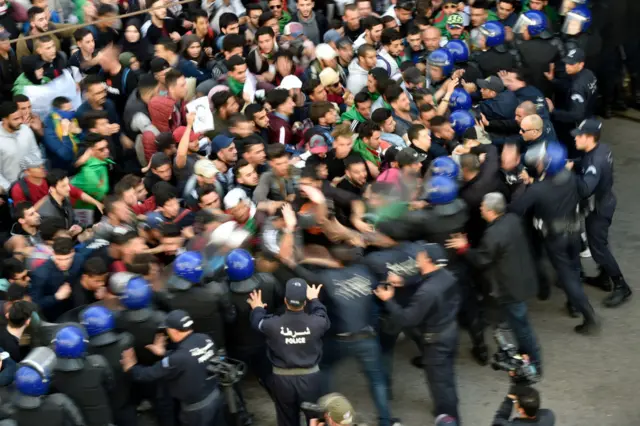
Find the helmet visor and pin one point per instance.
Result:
(573, 24)
(522, 24)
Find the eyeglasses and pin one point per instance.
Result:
(275, 7)
(526, 130)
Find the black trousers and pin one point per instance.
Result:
(291, 391)
(597, 227)
(564, 254)
(439, 367)
(211, 414)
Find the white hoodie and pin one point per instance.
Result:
(358, 76)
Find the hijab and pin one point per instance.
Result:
(141, 48)
(187, 41)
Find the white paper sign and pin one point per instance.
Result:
(42, 96)
(250, 86)
(204, 116)
(84, 217)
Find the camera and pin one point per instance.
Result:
(228, 371)
(508, 359)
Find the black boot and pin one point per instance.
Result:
(479, 351)
(607, 111)
(572, 311)
(591, 325)
(621, 293)
(602, 281)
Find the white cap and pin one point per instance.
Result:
(205, 168)
(324, 51)
(290, 82)
(234, 197)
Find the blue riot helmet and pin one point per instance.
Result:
(533, 21)
(240, 265)
(99, 323)
(136, 298)
(118, 282)
(439, 59)
(458, 50)
(493, 33)
(30, 383)
(34, 374)
(441, 190)
(551, 157)
(444, 166)
(578, 20)
(460, 100)
(461, 121)
(187, 271)
(70, 346)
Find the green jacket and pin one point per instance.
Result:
(352, 114)
(552, 15)
(286, 18)
(93, 178)
(22, 81)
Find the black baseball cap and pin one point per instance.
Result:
(158, 64)
(574, 56)
(413, 75)
(391, 154)
(590, 126)
(492, 83)
(296, 292)
(409, 156)
(178, 320)
(436, 253)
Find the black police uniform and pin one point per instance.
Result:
(184, 370)
(595, 182)
(124, 412)
(536, 55)
(350, 304)
(554, 203)
(243, 341)
(495, 59)
(88, 387)
(577, 104)
(294, 347)
(52, 410)
(143, 325)
(208, 306)
(436, 224)
(433, 308)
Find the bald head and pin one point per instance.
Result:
(525, 109)
(431, 38)
(531, 127)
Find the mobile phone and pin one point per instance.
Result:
(4, 355)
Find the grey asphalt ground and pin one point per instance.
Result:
(588, 381)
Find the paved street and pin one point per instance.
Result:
(588, 381)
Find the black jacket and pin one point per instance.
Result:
(544, 418)
(504, 249)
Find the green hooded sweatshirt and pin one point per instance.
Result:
(22, 81)
(93, 179)
(352, 114)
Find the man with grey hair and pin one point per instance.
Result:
(504, 251)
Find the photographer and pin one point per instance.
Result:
(336, 411)
(526, 401)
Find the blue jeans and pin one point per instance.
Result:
(518, 319)
(367, 351)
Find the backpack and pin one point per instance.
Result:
(25, 190)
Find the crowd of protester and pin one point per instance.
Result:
(331, 125)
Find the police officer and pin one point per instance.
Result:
(445, 214)
(579, 101)
(595, 183)
(433, 308)
(99, 323)
(350, 303)
(537, 48)
(554, 201)
(460, 53)
(493, 55)
(294, 347)
(184, 370)
(207, 304)
(439, 68)
(144, 324)
(32, 404)
(86, 379)
(576, 34)
(244, 342)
